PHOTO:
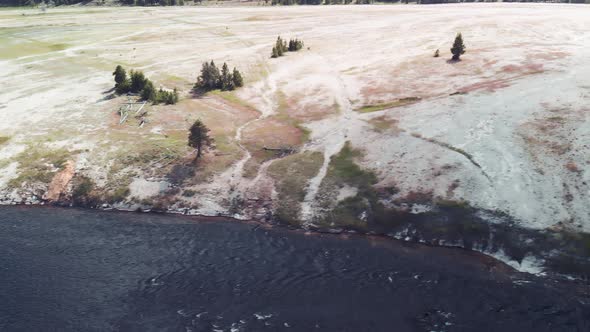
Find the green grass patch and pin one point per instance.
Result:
(4, 139)
(117, 195)
(380, 107)
(360, 211)
(38, 165)
(189, 193)
(11, 48)
(447, 203)
(343, 168)
(291, 175)
(83, 191)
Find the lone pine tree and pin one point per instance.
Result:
(198, 137)
(458, 48)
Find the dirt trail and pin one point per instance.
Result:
(230, 185)
(266, 89)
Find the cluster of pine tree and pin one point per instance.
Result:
(281, 47)
(138, 83)
(211, 78)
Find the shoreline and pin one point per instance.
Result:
(497, 257)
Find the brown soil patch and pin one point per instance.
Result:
(271, 133)
(530, 68)
(554, 55)
(59, 183)
(489, 86)
(307, 113)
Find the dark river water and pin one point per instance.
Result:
(82, 270)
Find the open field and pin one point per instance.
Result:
(506, 130)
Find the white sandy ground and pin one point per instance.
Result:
(358, 55)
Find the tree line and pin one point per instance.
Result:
(424, 2)
(281, 47)
(211, 78)
(273, 2)
(20, 3)
(138, 83)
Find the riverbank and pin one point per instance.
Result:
(551, 254)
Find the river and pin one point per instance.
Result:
(85, 270)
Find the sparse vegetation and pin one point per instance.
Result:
(379, 107)
(38, 165)
(4, 139)
(458, 48)
(117, 195)
(189, 193)
(212, 79)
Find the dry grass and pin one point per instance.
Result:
(382, 124)
(383, 106)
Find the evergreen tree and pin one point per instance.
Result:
(123, 87)
(275, 52)
(295, 45)
(161, 96)
(215, 82)
(237, 78)
(436, 54)
(174, 96)
(227, 80)
(120, 75)
(210, 77)
(281, 46)
(198, 137)
(203, 78)
(138, 81)
(458, 48)
(149, 92)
